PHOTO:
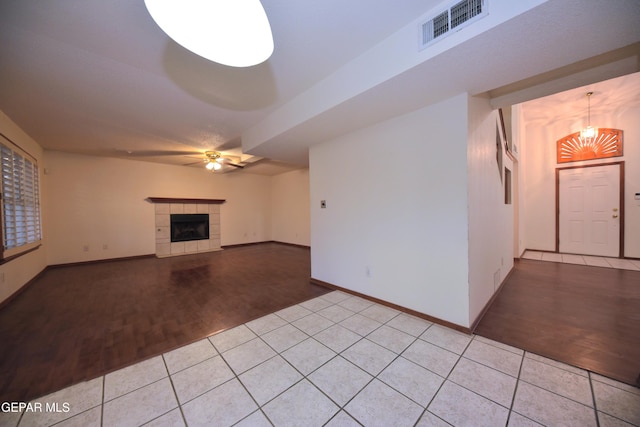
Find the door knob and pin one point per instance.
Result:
(614, 216)
(615, 209)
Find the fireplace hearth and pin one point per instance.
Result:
(187, 227)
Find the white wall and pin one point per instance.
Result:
(96, 201)
(290, 217)
(15, 273)
(539, 164)
(396, 226)
(491, 221)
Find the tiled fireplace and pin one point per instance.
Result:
(165, 207)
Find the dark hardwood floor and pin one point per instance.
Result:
(78, 322)
(584, 316)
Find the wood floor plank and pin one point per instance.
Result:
(581, 315)
(76, 323)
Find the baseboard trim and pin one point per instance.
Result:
(395, 307)
(476, 322)
(22, 288)
(100, 261)
(240, 245)
(295, 245)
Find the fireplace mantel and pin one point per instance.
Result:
(186, 201)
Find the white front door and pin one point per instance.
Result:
(589, 210)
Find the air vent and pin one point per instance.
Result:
(462, 12)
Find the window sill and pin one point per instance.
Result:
(13, 256)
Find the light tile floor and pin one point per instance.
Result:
(340, 360)
(595, 261)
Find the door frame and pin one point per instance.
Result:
(621, 164)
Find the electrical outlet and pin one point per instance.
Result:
(85, 248)
(105, 247)
(323, 204)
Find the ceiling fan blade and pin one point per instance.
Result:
(227, 161)
(193, 163)
(156, 153)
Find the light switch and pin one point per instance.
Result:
(323, 204)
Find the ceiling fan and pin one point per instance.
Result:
(214, 160)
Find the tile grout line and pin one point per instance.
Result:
(337, 413)
(101, 405)
(489, 367)
(515, 389)
(305, 377)
(426, 408)
(236, 376)
(609, 414)
(593, 398)
(375, 377)
(339, 354)
(167, 376)
(521, 380)
(104, 382)
(544, 362)
(555, 393)
(398, 356)
(173, 387)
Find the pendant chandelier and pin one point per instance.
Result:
(590, 143)
(589, 134)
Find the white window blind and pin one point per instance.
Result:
(20, 201)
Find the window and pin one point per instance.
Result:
(21, 229)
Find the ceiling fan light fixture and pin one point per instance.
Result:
(236, 33)
(210, 165)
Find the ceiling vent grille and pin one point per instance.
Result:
(462, 12)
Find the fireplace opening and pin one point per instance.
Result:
(186, 227)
